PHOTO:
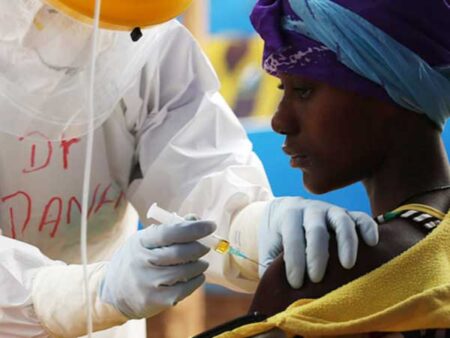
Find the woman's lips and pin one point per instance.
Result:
(300, 161)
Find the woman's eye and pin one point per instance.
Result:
(303, 93)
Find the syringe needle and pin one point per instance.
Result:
(253, 261)
(240, 254)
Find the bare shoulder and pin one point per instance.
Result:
(274, 293)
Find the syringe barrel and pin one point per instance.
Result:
(166, 217)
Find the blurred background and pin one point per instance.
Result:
(224, 31)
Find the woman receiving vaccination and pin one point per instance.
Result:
(366, 97)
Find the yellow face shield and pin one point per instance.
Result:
(123, 14)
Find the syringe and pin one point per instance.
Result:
(214, 242)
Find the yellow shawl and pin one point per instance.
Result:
(410, 292)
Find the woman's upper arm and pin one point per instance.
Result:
(274, 293)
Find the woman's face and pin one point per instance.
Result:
(335, 137)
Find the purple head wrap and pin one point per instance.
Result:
(422, 26)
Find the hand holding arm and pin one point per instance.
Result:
(300, 227)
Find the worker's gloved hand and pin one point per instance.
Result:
(156, 268)
(299, 227)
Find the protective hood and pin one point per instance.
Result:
(45, 64)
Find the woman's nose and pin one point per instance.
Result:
(283, 121)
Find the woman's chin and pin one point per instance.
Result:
(317, 189)
(319, 185)
(316, 185)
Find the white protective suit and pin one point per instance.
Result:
(171, 140)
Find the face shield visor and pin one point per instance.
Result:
(45, 63)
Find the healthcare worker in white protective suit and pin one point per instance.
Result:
(162, 134)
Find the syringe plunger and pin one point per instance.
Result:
(163, 216)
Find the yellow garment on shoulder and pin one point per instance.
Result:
(410, 292)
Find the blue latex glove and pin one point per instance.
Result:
(291, 223)
(156, 268)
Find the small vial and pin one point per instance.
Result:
(213, 242)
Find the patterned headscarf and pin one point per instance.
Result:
(389, 49)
